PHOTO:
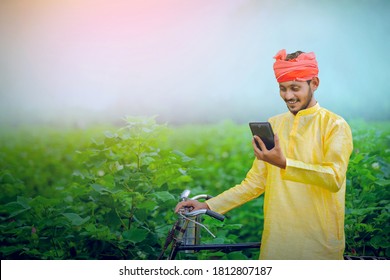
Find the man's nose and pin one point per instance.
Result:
(288, 95)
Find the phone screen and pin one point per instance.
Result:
(264, 131)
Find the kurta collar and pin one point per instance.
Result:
(309, 111)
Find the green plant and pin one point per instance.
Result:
(117, 206)
(64, 196)
(367, 223)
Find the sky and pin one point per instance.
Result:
(186, 61)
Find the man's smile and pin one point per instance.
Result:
(293, 101)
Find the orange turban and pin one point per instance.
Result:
(301, 69)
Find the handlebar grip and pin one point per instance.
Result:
(215, 215)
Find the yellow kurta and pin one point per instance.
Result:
(304, 203)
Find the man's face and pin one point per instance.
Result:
(298, 95)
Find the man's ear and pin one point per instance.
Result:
(315, 82)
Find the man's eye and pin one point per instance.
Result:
(295, 88)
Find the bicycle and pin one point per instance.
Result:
(185, 233)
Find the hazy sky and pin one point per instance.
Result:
(186, 60)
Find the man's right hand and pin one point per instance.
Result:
(192, 205)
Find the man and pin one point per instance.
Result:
(303, 177)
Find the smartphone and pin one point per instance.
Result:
(264, 131)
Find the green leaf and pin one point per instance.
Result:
(163, 196)
(135, 235)
(7, 178)
(8, 250)
(183, 156)
(233, 226)
(107, 180)
(103, 190)
(75, 219)
(148, 205)
(24, 202)
(383, 182)
(14, 209)
(100, 189)
(378, 242)
(218, 240)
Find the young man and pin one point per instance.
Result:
(303, 177)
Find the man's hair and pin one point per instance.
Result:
(293, 55)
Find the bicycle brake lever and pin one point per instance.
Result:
(184, 195)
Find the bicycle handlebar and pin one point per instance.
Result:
(211, 213)
(215, 215)
(201, 196)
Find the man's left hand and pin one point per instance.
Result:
(274, 156)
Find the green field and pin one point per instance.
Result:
(109, 193)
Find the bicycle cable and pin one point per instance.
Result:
(195, 222)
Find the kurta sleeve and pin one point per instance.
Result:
(331, 172)
(251, 187)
